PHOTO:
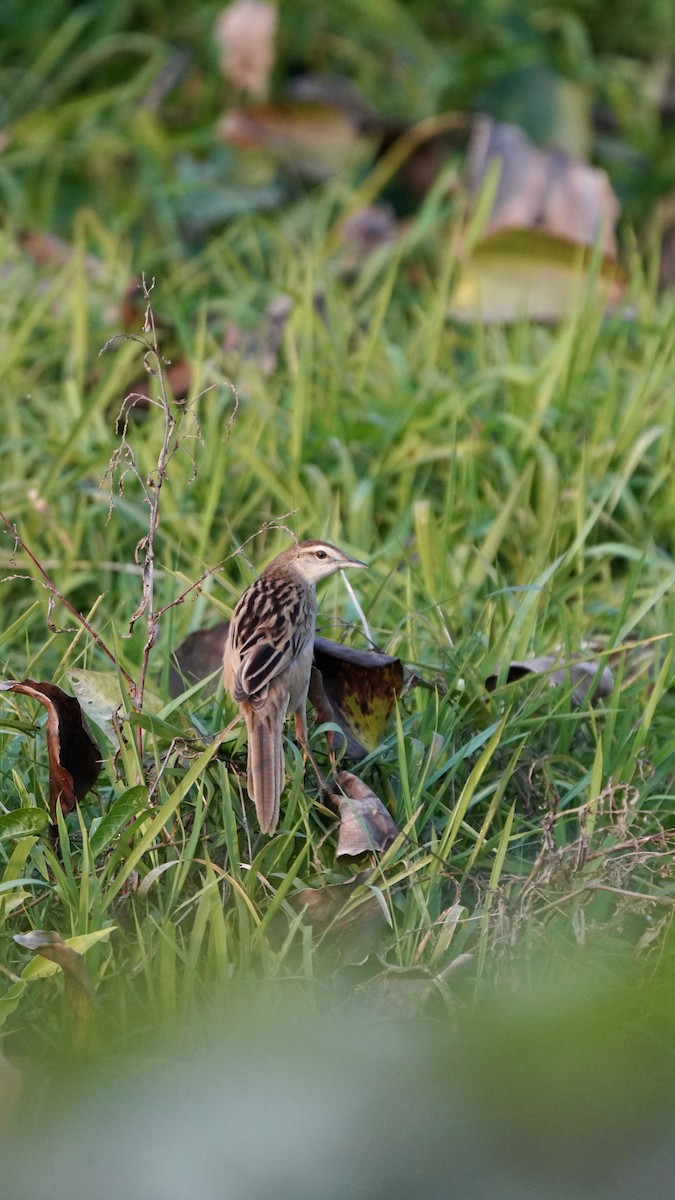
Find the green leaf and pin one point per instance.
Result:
(100, 695)
(125, 808)
(22, 822)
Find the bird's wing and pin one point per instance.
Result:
(261, 658)
(271, 626)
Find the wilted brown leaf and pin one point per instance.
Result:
(313, 141)
(405, 991)
(543, 189)
(245, 33)
(364, 232)
(350, 936)
(198, 657)
(365, 824)
(80, 995)
(74, 757)
(357, 689)
(584, 675)
(633, 659)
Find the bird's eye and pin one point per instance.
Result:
(321, 554)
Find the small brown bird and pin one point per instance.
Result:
(268, 661)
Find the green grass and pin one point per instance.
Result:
(510, 489)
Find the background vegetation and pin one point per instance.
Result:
(512, 490)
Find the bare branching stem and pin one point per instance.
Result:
(153, 488)
(59, 596)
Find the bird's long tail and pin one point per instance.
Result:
(266, 776)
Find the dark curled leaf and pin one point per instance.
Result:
(198, 657)
(74, 757)
(357, 690)
(365, 824)
(588, 683)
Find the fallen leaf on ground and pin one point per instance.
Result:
(405, 991)
(588, 684)
(74, 757)
(245, 33)
(197, 657)
(365, 823)
(80, 995)
(261, 346)
(351, 935)
(543, 189)
(47, 250)
(357, 689)
(526, 274)
(311, 140)
(364, 232)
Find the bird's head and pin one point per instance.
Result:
(314, 560)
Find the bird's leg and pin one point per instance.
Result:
(301, 736)
(325, 714)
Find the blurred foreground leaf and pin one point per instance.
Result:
(524, 274)
(541, 189)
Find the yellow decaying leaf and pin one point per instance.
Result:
(524, 274)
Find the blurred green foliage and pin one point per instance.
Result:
(97, 96)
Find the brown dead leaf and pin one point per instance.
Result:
(543, 189)
(350, 936)
(364, 232)
(583, 674)
(198, 657)
(74, 757)
(311, 140)
(357, 689)
(245, 33)
(80, 994)
(365, 824)
(405, 991)
(634, 660)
